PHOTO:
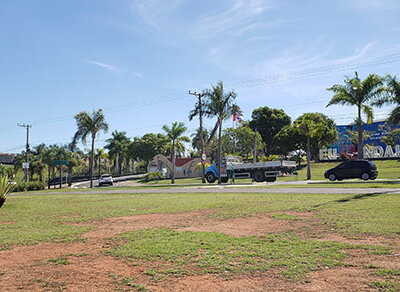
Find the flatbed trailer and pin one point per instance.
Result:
(259, 171)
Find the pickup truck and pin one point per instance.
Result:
(259, 171)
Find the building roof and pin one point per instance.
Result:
(181, 161)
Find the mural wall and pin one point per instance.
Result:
(374, 147)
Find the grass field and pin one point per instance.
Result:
(162, 250)
(37, 218)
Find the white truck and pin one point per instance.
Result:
(259, 171)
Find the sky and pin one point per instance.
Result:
(137, 60)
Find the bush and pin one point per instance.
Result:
(141, 167)
(30, 186)
(154, 176)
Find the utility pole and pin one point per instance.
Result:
(203, 158)
(26, 168)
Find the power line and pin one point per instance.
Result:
(243, 84)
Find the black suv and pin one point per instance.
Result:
(353, 169)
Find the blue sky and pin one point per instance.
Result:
(137, 59)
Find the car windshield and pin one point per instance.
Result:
(105, 175)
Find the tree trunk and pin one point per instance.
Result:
(308, 159)
(219, 150)
(48, 179)
(91, 163)
(69, 175)
(99, 165)
(173, 162)
(360, 146)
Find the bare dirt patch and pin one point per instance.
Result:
(27, 268)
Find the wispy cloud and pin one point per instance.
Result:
(104, 65)
(155, 13)
(359, 53)
(243, 16)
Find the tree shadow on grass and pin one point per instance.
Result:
(357, 197)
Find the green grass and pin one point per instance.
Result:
(31, 219)
(59, 261)
(386, 285)
(284, 216)
(188, 253)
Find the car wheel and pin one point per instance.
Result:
(224, 179)
(210, 177)
(332, 177)
(365, 176)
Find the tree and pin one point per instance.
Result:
(174, 133)
(90, 124)
(319, 131)
(289, 139)
(220, 105)
(268, 122)
(116, 145)
(358, 93)
(99, 156)
(240, 141)
(391, 97)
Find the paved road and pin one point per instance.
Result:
(86, 184)
(228, 189)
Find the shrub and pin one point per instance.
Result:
(153, 176)
(30, 186)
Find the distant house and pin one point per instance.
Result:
(184, 167)
(7, 158)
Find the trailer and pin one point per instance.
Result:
(259, 171)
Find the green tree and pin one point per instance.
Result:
(319, 131)
(391, 97)
(220, 105)
(174, 133)
(240, 141)
(90, 124)
(268, 122)
(99, 156)
(117, 145)
(360, 93)
(289, 139)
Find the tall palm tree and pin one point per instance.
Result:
(359, 93)
(90, 124)
(174, 133)
(392, 97)
(220, 105)
(116, 146)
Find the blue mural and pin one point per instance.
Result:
(373, 145)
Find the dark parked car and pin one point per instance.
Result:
(363, 169)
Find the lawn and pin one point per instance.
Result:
(30, 219)
(155, 255)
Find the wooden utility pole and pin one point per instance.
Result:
(199, 101)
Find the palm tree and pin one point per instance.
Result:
(220, 105)
(116, 145)
(358, 93)
(392, 97)
(99, 155)
(90, 124)
(175, 135)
